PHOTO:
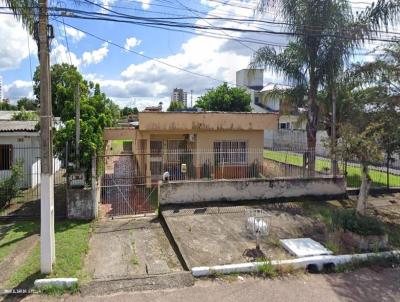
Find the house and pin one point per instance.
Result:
(193, 145)
(19, 141)
(261, 100)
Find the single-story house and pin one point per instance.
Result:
(191, 144)
(20, 142)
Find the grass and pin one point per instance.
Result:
(267, 270)
(135, 260)
(353, 173)
(12, 233)
(72, 244)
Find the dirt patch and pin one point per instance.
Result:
(126, 247)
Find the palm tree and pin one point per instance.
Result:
(323, 36)
(23, 11)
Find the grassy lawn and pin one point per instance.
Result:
(353, 173)
(72, 243)
(11, 234)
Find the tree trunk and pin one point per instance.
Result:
(312, 120)
(364, 189)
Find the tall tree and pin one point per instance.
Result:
(225, 98)
(323, 34)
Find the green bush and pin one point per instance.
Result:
(9, 187)
(362, 225)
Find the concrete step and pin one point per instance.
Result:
(138, 283)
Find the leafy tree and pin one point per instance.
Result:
(324, 33)
(24, 115)
(225, 98)
(64, 81)
(365, 132)
(128, 110)
(175, 105)
(96, 112)
(7, 106)
(27, 104)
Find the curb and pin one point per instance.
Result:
(57, 282)
(318, 262)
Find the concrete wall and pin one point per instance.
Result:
(192, 121)
(81, 204)
(241, 190)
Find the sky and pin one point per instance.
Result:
(127, 74)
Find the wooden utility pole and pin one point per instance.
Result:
(47, 242)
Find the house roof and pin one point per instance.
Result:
(272, 86)
(18, 126)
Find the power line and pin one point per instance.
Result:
(146, 56)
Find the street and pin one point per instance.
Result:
(364, 285)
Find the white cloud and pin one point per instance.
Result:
(60, 54)
(74, 34)
(131, 43)
(13, 42)
(145, 4)
(95, 56)
(18, 89)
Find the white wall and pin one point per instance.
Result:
(242, 190)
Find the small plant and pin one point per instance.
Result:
(9, 186)
(333, 246)
(267, 270)
(254, 169)
(362, 225)
(135, 260)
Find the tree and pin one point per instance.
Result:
(323, 34)
(7, 106)
(64, 81)
(225, 98)
(175, 105)
(128, 110)
(96, 111)
(24, 115)
(27, 104)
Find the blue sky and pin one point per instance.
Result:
(128, 78)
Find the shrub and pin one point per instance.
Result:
(9, 187)
(362, 225)
(267, 270)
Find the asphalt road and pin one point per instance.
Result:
(363, 285)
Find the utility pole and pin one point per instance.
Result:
(77, 123)
(47, 241)
(191, 98)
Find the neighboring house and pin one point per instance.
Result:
(154, 108)
(20, 141)
(231, 142)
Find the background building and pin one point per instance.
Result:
(179, 95)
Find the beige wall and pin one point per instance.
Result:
(198, 121)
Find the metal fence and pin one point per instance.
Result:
(20, 181)
(383, 174)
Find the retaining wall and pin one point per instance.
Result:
(204, 191)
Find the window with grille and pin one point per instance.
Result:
(6, 157)
(230, 152)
